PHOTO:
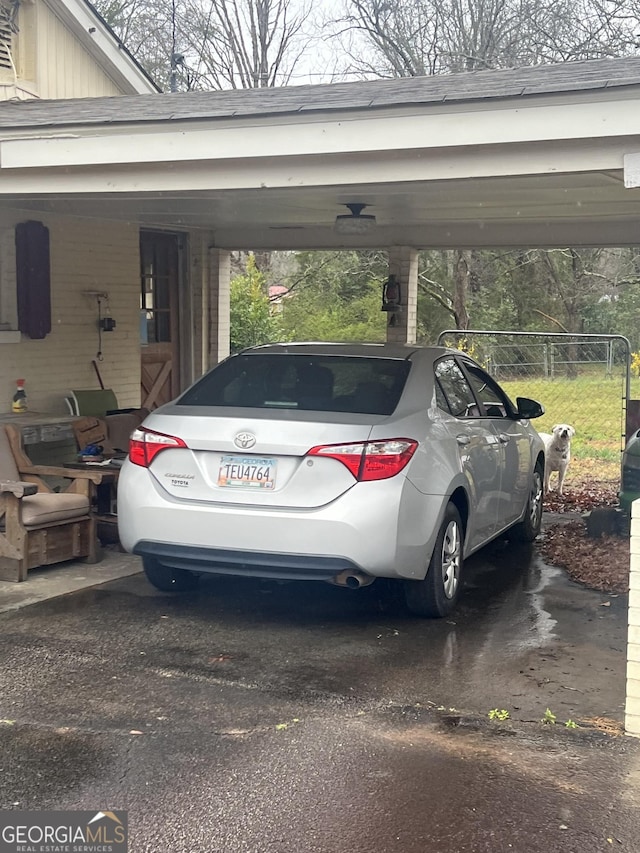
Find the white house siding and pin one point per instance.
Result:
(64, 68)
(17, 76)
(86, 255)
(219, 325)
(632, 720)
(210, 273)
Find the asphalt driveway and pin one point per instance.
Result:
(259, 716)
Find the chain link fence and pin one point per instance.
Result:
(581, 380)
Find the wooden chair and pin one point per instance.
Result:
(38, 526)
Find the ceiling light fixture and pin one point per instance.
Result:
(355, 222)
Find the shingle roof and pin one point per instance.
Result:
(335, 97)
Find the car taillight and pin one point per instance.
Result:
(370, 460)
(145, 445)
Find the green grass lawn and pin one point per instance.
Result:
(593, 405)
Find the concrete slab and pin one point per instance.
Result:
(64, 578)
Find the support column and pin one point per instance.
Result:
(632, 706)
(403, 264)
(218, 296)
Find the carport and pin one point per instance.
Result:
(534, 157)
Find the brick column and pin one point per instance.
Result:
(219, 275)
(632, 707)
(403, 263)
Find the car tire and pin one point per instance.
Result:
(437, 594)
(529, 528)
(168, 579)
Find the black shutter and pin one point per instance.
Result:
(33, 279)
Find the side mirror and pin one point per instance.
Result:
(529, 409)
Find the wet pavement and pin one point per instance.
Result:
(278, 717)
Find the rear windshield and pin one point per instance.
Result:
(321, 383)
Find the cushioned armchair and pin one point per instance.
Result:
(38, 526)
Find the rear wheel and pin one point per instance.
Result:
(437, 595)
(167, 578)
(527, 529)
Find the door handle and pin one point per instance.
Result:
(503, 438)
(463, 439)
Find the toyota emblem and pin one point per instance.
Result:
(244, 440)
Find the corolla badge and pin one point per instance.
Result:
(245, 440)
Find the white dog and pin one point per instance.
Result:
(557, 451)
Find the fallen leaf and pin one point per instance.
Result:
(601, 564)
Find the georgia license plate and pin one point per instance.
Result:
(247, 472)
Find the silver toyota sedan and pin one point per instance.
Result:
(334, 462)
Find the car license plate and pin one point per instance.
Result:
(247, 472)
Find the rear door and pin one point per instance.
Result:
(160, 272)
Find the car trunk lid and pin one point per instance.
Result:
(253, 458)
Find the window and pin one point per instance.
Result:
(158, 272)
(288, 381)
(456, 390)
(495, 402)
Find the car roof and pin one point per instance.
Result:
(384, 350)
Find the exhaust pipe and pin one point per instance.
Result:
(352, 579)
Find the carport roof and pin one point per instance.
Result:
(364, 95)
(536, 156)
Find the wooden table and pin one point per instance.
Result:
(106, 491)
(105, 500)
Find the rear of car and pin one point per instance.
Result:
(283, 462)
(341, 463)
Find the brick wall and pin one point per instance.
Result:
(632, 716)
(86, 255)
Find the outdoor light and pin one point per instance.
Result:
(391, 295)
(355, 222)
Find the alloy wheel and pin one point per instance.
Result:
(451, 559)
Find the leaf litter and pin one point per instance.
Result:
(598, 563)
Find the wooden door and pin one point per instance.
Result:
(159, 317)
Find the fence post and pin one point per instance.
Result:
(609, 359)
(545, 358)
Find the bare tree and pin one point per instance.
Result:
(415, 37)
(213, 44)
(145, 28)
(244, 44)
